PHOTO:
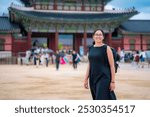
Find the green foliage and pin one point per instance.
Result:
(60, 46)
(45, 45)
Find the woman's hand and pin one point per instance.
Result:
(112, 86)
(86, 84)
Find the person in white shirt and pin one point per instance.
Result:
(142, 58)
(122, 54)
(46, 59)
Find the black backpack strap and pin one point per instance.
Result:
(114, 53)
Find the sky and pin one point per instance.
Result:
(4, 4)
(143, 6)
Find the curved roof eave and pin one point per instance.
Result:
(72, 17)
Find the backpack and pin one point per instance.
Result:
(116, 58)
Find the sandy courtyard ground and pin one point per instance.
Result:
(29, 82)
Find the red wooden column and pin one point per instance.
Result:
(56, 41)
(109, 39)
(77, 42)
(102, 9)
(141, 38)
(51, 41)
(84, 42)
(12, 43)
(29, 40)
(123, 37)
(55, 5)
(83, 7)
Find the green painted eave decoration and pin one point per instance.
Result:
(4, 32)
(9, 31)
(131, 34)
(52, 20)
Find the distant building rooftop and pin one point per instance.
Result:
(6, 26)
(136, 26)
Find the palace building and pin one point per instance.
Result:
(70, 22)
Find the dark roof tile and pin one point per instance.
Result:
(73, 16)
(76, 17)
(136, 26)
(5, 25)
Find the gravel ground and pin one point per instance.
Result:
(28, 82)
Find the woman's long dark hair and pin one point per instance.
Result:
(96, 31)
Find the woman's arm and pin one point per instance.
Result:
(87, 77)
(112, 67)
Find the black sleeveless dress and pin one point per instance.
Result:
(100, 74)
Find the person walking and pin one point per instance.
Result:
(47, 59)
(100, 71)
(57, 59)
(142, 58)
(74, 59)
(137, 59)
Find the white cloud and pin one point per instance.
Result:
(109, 7)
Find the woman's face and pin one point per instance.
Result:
(98, 36)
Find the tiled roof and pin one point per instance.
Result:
(6, 26)
(136, 26)
(74, 17)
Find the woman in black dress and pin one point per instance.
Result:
(101, 71)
